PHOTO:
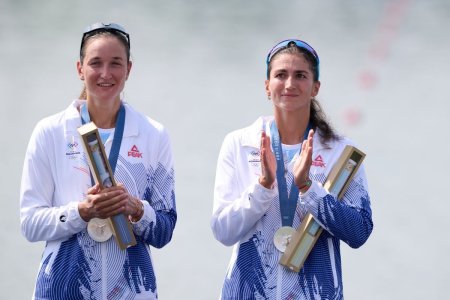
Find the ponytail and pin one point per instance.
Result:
(83, 95)
(319, 120)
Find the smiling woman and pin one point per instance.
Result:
(104, 66)
(60, 204)
(291, 85)
(258, 204)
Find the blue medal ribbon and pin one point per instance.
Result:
(288, 202)
(118, 133)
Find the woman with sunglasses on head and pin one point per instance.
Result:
(60, 204)
(270, 175)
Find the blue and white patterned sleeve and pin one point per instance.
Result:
(349, 219)
(158, 223)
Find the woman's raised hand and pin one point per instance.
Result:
(303, 162)
(268, 162)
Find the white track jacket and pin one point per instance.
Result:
(246, 215)
(56, 177)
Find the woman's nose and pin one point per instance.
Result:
(289, 82)
(106, 72)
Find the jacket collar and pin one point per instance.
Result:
(73, 119)
(251, 136)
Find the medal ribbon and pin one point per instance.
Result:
(288, 202)
(118, 133)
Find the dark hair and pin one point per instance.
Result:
(96, 34)
(317, 116)
(318, 119)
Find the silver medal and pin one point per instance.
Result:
(282, 237)
(99, 229)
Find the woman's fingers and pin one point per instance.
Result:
(110, 202)
(267, 177)
(93, 190)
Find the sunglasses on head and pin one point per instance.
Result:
(285, 44)
(111, 27)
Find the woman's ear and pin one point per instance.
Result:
(316, 88)
(80, 70)
(130, 64)
(266, 83)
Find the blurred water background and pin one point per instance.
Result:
(199, 68)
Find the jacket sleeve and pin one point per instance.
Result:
(40, 220)
(349, 219)
(158, 222)
(236, 209)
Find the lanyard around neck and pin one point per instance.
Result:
(288, 203)
(118, 132)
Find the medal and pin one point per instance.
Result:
(282, 237)
(288, 197)
(99, 229)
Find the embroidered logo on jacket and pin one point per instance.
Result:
(134, 152)
(318, 162)
(254, 158)
(72, 150)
